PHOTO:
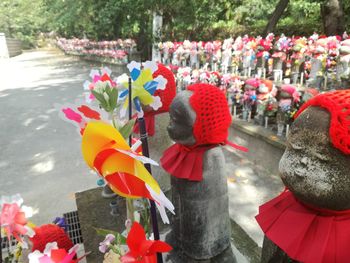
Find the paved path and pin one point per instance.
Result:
(40, 153)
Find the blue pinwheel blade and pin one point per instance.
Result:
(123, 93)
(135, 73)
(151, 86)
(137, 104)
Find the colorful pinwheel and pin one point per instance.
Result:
(105, 150)
(143, 86)
(140, 249)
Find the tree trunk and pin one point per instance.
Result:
(276, 15)
(332, 13)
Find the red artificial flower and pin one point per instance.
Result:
(142, 250)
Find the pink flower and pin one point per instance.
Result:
(104, 245)
(13, 220)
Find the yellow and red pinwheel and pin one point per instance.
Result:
(105, 150)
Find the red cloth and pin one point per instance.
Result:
(50, 233)
(337, 103)
(213, 117)
(168, 94)
(210, 129)
(307, 234)
(150, 125)
(183, 162)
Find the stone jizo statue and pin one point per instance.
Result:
(310, 220)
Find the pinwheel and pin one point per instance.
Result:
(143, 86)
(140, 249)
(105, 150)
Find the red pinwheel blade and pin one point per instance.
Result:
(128, 184)
(159, 246)
(135, 238)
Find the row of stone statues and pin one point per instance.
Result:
(308, 222)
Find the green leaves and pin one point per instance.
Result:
(126, 130)
(106, 95)
(119, 238)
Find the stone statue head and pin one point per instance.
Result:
(182, 118)
(316, 163)
(199, 116)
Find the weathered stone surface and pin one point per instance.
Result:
(315, 171)
(312, 169)
(94, 212)
(201, 226)
(157, 145)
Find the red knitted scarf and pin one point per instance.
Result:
(306, 233)
(210, 129)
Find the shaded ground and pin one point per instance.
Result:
(40, 153)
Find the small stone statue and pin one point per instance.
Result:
(199, 122)
(310, 221)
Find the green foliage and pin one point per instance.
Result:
(119, 238)
(126, 130)
(182, 19)
(22, 19)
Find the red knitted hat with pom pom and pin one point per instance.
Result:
(50, 233)
(212, 114)
(168, 94)
(338, 105)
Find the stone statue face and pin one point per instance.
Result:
(315, 171)
(182, 118)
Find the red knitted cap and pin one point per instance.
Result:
(212, 114)
(338, 104)
(50, 233)
(168, 94)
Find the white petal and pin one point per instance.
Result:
(30, 232)
(94, 72)
(86, 85)
(28, 211)
(50, 246)
(122, 80)
(123, 111)
(140, 114)
(136, 145)
(138, 157)
(161, 201)
(161, 82)
(134, 64)
(157, 103)
(150, 65)
(34, 256)
(106, 70)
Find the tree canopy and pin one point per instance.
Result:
(182, 19)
